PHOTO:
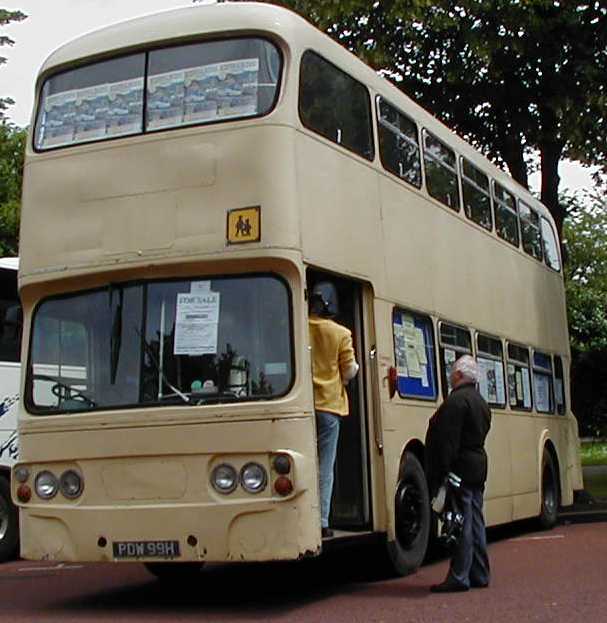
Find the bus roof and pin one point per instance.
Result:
(187, 23)
(175, 24)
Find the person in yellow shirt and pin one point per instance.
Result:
(333, 366)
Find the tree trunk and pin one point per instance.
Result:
(512, 152)
(550, 154)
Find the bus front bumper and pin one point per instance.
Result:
(262, 531)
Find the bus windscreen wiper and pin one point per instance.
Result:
(150, 353)
(203, 398)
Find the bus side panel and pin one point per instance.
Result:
(338, 195)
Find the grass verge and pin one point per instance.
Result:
(594, 453)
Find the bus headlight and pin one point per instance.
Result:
(224, 478)
(253, 478)
(47, 485)
(71, 484)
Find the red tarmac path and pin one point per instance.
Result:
(556, 576)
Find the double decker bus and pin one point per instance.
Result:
(189, 177)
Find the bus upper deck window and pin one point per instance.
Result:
(441, 172)
(211, 81)
(335, 105)
(506, 218)
(530, 231)
(551, 248)
(184, 85)
(398, 143)
(477, 200)
(94, 102)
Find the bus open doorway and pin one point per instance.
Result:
(351, 502)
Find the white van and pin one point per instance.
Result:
(10, 372)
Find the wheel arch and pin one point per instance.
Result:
(551, 448)
(415, 447)
(547, 444)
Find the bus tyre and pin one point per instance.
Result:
(175, 572)
(412, 518)
(549, 492)
(9, 523)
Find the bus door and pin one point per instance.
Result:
(350, 508)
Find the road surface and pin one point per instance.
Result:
(553, 576)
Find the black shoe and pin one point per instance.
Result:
(479, 584)
(327, 533)
(448, 586)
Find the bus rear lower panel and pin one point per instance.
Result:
(165, 507)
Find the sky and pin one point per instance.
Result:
(51, 23)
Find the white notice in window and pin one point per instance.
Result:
(196, 323)
(500, 390)
(558, 392)
(526, 389)
(542, 392)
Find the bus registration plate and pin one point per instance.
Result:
(146, 549)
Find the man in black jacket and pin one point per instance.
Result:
(455, 443)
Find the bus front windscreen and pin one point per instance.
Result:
(191, 342)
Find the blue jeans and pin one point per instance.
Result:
(469, 560)
(327, 425)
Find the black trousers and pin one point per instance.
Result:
(469, 560)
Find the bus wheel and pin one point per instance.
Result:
(175, 572)
(9, 523)
(412, 518)
(550, 493)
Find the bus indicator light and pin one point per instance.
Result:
(21, 473)
(282, 464)
(24, 493)
(283, 486)
(244, 225)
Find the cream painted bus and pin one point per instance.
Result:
(189, 176)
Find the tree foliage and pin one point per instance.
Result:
(12, 149)
(585, 241)
(6, 17)
(513, 77)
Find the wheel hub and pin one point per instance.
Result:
(408, 513)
